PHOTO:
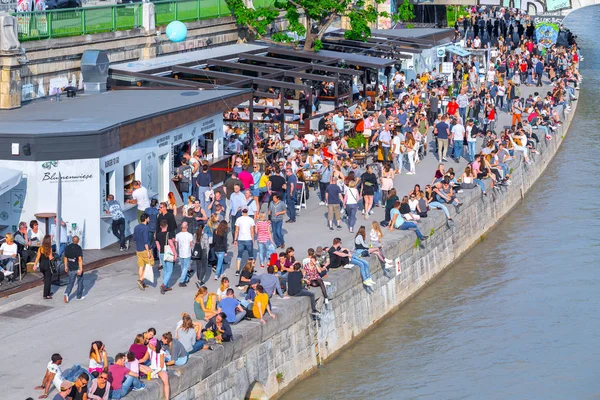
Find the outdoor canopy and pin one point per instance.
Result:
(459, 51)
(9, 178)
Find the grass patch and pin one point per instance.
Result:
(481, 238)
(431, 232)
(279, 377)
(417, 243)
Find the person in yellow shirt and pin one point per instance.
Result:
(261, 303)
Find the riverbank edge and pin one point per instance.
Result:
(265, 361)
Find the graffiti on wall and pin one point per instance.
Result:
(532, 7)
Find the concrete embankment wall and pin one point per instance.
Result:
(275, 356)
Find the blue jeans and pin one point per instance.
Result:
(480, 183)
(127, 383)
(220, 256)
(472, 150)
(118, 229)
(264, 252)
(458, 146)
(351, 209)
(463, 114)
(398, 160)
(73, 276)
(245, 245)
(201, 191)
(167, 269)
(409, 225)
(386, 152)
(198, 346)
(180, 361)
(290, 203)
(277, 229)
(363, 265)
(440, 206)
(185, 266)
(73, 373)
(184, 196)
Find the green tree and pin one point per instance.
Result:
(405, 11)
(308, 18)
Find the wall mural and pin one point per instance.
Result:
(531, 6)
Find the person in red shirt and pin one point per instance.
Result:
(452, 107)
(122, 378)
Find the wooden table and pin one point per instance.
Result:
(46, 216)
(360, 158)
(312, 179)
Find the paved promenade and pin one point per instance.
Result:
(115, 309)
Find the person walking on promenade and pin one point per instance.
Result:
(334, 199)
(277, 210)
(73, 260)
(165, 243)
(185, 243)
(169, 218)
(290, 190)
(517, 111)
(113, 208)
(243, 237)
(204, 183)
(141, 236)
(442, 132)
(43, 259)
(152, 213)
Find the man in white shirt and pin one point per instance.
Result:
(244, 237)
(185, 244)
(458, 135)
(471, 139)
(310, 138)
(140, 197)
(64, 240)
(397, 154)
(477, 42)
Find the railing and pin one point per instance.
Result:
(78, 21)
(82, 21)
(189, 10)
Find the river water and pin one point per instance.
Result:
(519, 316)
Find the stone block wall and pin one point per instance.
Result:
(275, 356)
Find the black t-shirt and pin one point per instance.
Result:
(72, 254)
(404, 208)
(336, 261)
(277, 183)
(171, 223)
(245, 274)
(161, 238)
(294, 282)
(76, 395)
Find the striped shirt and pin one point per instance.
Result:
(262, 229)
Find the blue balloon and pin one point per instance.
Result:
(176, 31)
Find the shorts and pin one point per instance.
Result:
(143, 258)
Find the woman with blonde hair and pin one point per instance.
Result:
(189, 333)
(410, 144)
(200, 309)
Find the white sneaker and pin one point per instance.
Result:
(367, 283)
(326, 301)
(389, 265)
(327, 283)
(349, 266)
(388, 261)
(321, 203)
(371, 280)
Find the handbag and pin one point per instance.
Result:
(53, 266)
(149, 273)
(169, 256)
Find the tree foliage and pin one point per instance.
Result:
(309, 19)
(405, 11)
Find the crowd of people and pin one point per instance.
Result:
(248, 211)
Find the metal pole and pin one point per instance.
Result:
(251, 128)
(336, 92)
(282, 109)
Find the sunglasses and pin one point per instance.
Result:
(103, 377)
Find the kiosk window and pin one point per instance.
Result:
(206, 144)
(131, 172)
